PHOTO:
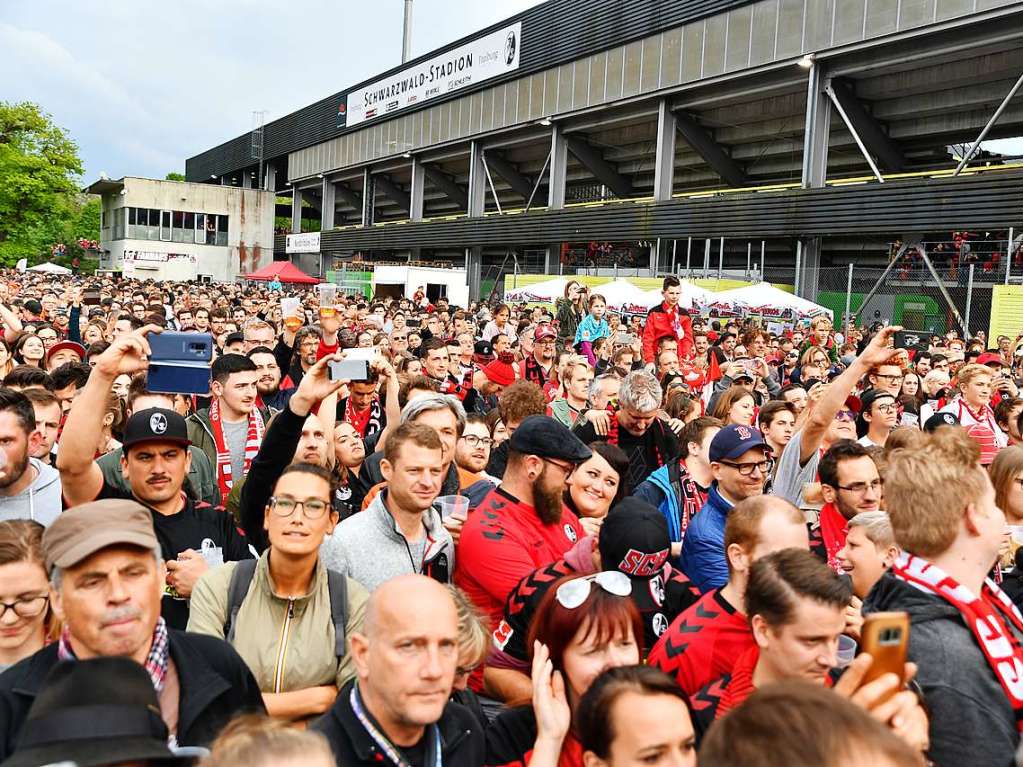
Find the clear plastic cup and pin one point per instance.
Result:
(327, 292)
(291, 311)
(453, 506)
(846, 650)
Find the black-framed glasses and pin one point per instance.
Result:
(567, 468)
(312, 508)
(28, 607)
(893, 377)
(746, 469)
(859, 488)
(473, 441)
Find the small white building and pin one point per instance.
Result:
(176, 230)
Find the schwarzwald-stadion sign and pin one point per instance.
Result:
(474, 62)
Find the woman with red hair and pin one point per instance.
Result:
(585, 625)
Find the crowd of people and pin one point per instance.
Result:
(528, 535)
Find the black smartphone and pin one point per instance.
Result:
(90, 298)
(179, 363)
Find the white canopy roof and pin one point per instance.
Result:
(50, 268)
(764, 298)
(539, 292)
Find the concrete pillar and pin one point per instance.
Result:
(473, 268)
(477, 181)
(327, 221)
(817, 129)
(296, 210)
(368, 192)
(271, 177)
(558, 169)
(656, 248)
(552, 259)
(416, 193)
(246, 179)
(664, 163)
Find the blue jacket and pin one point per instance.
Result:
(703, 550)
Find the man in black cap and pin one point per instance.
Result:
(156, 460)
(938, 420)
(106, 578)
(634, 540)
(95, 713)
(522, 524)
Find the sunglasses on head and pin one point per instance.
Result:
(573, 593)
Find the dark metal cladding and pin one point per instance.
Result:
(553, 33)
(985, 201)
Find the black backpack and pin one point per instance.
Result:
(238, 589)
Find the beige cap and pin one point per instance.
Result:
(82, 531)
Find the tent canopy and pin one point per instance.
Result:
(285, 271)
(690, 297)
(622, 296)
(50, 268)
(770, 301)
(545, 292)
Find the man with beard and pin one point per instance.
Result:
(471, 456)
(271, 391)
(296, 352)
(850, 485)
(156, 461)
(29, 489)
(538, 367)
(634, 427)
(522, 524)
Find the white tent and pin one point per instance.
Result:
(622, 296)
(50, 268)
(545, 292)
(691, 296)
(766, 300)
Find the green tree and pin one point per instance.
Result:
(174, 177)
(39, 176)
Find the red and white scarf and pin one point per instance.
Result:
(252, 442)
(987, 616)
(367, 422)
(834, 529)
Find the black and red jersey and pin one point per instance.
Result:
(718, 697)
(511, 736)
(703, 643)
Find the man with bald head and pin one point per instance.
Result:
(397, 711)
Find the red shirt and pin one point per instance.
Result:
(502, 542)
(703, 643)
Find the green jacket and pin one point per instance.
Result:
(284, 654)
(200, 432)
(200, 476)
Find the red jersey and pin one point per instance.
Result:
(502, 542)
(703, 643)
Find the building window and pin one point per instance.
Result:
(170, 226)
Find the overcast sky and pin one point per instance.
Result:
(142, 85)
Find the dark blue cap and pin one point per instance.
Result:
(734, 440)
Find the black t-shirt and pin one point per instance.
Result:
(416, 755)
(188, 529)
(657, 446)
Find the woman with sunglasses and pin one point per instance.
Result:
(285, 620)
(585, 625)
(27, 621)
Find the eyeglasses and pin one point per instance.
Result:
(25, 608)
(567, 468)
(887, 377)
(890, 407)
(859, 488)
(474, 442)
(746, 469)
(312, 508)
(573, 593)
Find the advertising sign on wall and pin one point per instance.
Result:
(466, 65)
(303, 243)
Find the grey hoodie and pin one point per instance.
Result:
(40, 501)
(370, 548)
(971, 720)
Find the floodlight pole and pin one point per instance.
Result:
(406, 33)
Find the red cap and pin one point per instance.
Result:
(543, 330)
(500, 372)
(985, 439)
(990, 357)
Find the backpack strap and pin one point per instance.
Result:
(237, 590)
(337, 586)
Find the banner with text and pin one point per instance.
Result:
(447, 72)
(303, 243)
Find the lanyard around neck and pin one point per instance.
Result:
(384, 743)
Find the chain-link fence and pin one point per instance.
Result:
(932, 287)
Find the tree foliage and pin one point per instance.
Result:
(40, 204)
(172, 176)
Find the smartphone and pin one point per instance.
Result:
(625, 339)
(886, 637)
(90, 298)
(179, 363)
(349, 370)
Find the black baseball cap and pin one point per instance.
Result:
(634, 539)
(156, 424)
(542, 436)
(940, 419)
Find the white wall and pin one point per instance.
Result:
(412, 277)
